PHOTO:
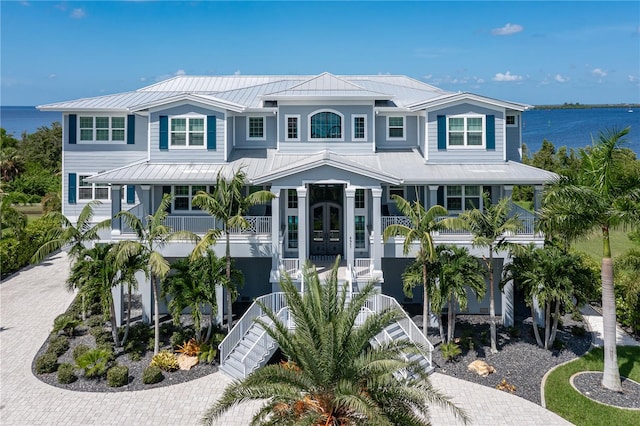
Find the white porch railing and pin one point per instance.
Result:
(363, 267)
(202, 224)
(395, 220)
(290, 265)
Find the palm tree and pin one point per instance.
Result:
(333, 376)
(423, 224)
(489, 227)
(77, 236)
(12, 221)
(11, 163)
(229, 205)
(414, 275)
(152, 236)
(94, 274)
(600, 198)
(459, 271)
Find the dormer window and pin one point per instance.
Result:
(465, 131)
(326, 125)
(395, 128)
(187, 132)
(255, 128)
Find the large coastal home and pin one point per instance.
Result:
(333, 150)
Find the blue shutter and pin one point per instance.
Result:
(491, 132)
(211, 132)
(72, 188)
(73, 128)
(164, 132)
(131, 194)
(131, 129)
(442, 132)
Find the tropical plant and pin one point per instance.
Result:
(229, 205)
(152, 235)
(627, 285)
(552, 278)
(489, 227)
(603, 195)
(423, 224)
(152, 375)
(165, 360)
(12, 221)
(94, 362)
(458, 272)
(333, 375)
(65, 323)
(11, 163)
(450, 351)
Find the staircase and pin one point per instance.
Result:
(248, 347)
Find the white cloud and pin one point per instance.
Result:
(599, 72)
(427, 77)
(143, 78)
(560, 78)
(52, 76)
(237, 72)
(634, 79)
(507, 77)
(180, 72)
(25, 3)
(507, 30)
(78, 13)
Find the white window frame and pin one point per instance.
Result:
(286, 127)
(94, 186)
(404, 128)
(94, 129)
(188, 117)
(465, 144)
(361, 211)
(463, 197)
(309, 129)
(515, 120)
(395, 187)
(353, 127)
(264, 128)
(191, 194)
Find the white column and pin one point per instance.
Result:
(433, 196)
(145, 199)
(116, 293)
(507, 297)
(350, 193)
(116, 206)
(508, 191)
(275, 228)
(144, 285)
(376, 194)
(303, 230)
(537, 197)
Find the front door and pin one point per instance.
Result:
(326, 230)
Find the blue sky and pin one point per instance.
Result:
(532, 52)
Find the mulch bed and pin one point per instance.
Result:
(589, 384)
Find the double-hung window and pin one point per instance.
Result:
(395, 128)
(92, 191)
(292, 127)
(359, 129)
(183, 196)
(360, 219)
(326, 125)
(102, 129)
(511, 121)
(465, 131)
(255, 128)
(187, 132)
(463, 197)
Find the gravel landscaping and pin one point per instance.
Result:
(590, 385)
(519, 361)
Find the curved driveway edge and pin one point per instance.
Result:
(31, 299)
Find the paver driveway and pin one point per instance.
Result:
(30, 300)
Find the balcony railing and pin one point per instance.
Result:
(202, 224)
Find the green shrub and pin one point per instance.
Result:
(94, 362)
(578, 331)
(152, 375)
(47, 363)
(135, 356)
(95, 321)
(514, 332)
(136, 345)
(467, 343)
(66, 374)
(118, 376)
(181, 336)
(450, 351)
(65, 323)
(58, 345)
(165, 360)
(80, 350)
(558, 345)
(207, 353)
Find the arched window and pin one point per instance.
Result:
(325, 125)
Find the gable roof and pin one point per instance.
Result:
(325, 86)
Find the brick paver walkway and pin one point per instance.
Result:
(30, 300)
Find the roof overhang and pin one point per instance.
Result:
(207, 100)
(445, 100)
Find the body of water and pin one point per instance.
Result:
(573, 128)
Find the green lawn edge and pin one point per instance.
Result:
(561, 398)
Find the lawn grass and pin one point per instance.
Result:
(618, 238)
(564, 400)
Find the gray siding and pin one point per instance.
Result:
(461, 155)
(187, 155)
(140, 145)
(513, 141)
(411, 133)
(271, 133)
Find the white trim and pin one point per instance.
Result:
(190, 99)
(353, 127)
(389, 187)
(286, 127)
(318, 111)
(190, 195)
(465, 145)
(515, 117)
(462, 197)
(109, 129)
(187, 145)
(470, 98)
(93, 186)
(404, 128)
(248, 128)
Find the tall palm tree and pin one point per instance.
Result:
(153, 235)
(77, 236)
(600, 198)
(229, 205)
(333, 376)
(489, 227)
(459, 271)
(94, 274)
(423, 224)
